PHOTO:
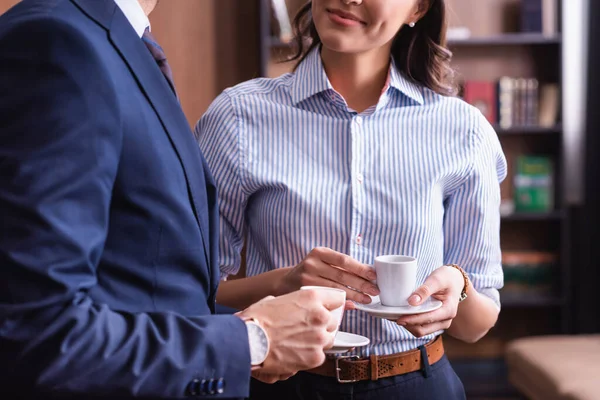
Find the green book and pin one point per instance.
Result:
(534, 188)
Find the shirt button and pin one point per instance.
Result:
(359, 177)
(358, 120)
(359, 239)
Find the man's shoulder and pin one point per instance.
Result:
(43, 16)
(34, 10)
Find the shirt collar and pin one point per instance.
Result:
(135, 15)
(401, 83)
(311, 79)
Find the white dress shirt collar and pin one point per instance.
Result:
(135, 14)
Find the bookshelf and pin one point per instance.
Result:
(543, 216)
(512, 301)
(528, 130)
(507, 39)
(498, 48)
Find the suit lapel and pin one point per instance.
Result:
(161, 97)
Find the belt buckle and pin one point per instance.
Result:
(338, 369)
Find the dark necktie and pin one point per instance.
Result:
(159, 56)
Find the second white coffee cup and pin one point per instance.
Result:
(337, 313)
(396, 279)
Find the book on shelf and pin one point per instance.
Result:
(281, 26)
(518, 102)
(539, 16)
(533, 184)
(505, 89)
(528, 272)
(549, 104)
(482, 95)
(549, 17)
(514, 102)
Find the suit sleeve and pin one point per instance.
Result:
(60, 143)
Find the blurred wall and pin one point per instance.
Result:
(210, 45)
(6, 4)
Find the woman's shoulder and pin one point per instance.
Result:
(454, 104)
(260, 86)
(460, 115)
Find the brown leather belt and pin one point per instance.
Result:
(349, 369)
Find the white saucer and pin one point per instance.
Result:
(376, 309)
(345, 342)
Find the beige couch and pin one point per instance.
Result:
(556, 367)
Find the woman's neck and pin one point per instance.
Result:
(359, 77)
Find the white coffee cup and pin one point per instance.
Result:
(396, 279)
(337, 313)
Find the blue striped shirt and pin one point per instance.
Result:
(417, 174)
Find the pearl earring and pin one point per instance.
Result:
(412, 24)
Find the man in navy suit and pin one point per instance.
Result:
(108, 253)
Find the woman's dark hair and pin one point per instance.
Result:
(420, 52)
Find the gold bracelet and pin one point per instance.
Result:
(463, 294)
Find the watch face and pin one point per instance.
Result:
(259, 343)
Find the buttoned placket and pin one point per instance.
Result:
(357, 184)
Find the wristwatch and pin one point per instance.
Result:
(259, 343)
(463, 294)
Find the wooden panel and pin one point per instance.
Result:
(237, 41)
(524, 236)
(492, 16)
(6, 4)
(208, 47)
(185, 29)
(493, 63)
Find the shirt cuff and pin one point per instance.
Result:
(492, 294)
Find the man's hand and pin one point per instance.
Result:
(299, 327)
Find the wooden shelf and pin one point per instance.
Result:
(528, 130)
(541, 216)
(511, 300)
(480, 365)
(507, 39)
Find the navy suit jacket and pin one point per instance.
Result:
(108, 237)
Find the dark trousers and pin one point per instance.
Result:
(433, 382)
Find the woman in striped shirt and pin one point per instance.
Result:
(362, 151)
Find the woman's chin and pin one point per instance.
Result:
(338, 44)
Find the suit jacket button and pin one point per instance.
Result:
(194, 387)
(220, 385)
(212, 387)
(205, 386)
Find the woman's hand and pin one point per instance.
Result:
(444, 284)
(326, 267)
